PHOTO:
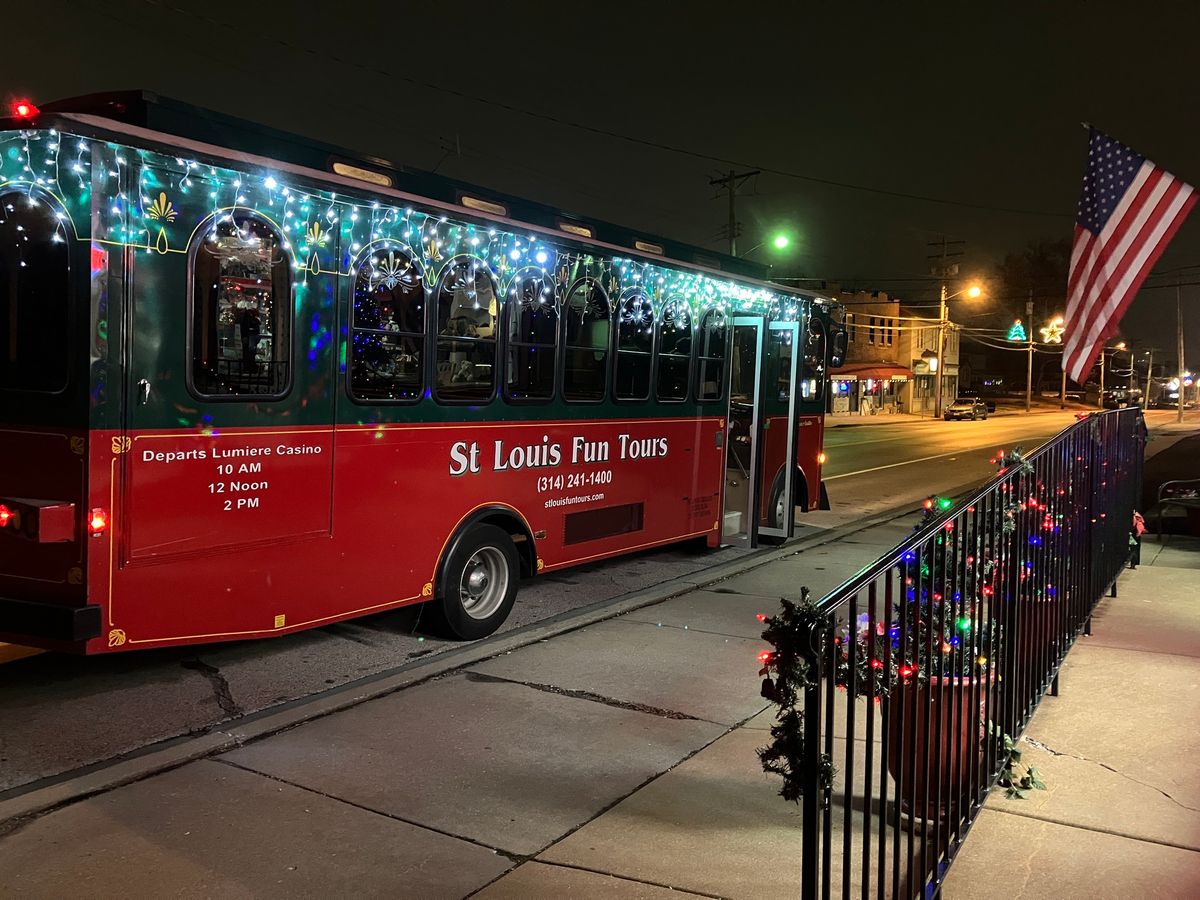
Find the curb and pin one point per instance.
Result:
(26, 802)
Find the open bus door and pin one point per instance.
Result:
(776, 476)
(739, 521)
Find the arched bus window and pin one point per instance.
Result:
(242, 310)
(589, 330)
(674, 351)
(387, 328)
(635, 341)
(35, 282)
(714, 343)
(813, 385)
(467, 310)
(532, 339)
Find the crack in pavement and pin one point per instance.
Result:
(220, 686)
(1033, 742)
(614, 875)
(588, 695)
(499, 851)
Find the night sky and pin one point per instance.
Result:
(949, 101)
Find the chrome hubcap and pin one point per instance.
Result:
(780, 507)
(484, 583)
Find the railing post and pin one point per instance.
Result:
(814, 797)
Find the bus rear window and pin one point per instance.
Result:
(241, 310)
(34, 295)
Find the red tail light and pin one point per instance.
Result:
(23, 109)
(98, 522)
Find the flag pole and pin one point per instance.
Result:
(1179, 327)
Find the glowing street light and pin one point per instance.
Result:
(973, 291)
(780, 242)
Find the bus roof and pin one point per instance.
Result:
(146, 109)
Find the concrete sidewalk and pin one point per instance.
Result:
(615, 759)
(1118, 750)
(618, 759)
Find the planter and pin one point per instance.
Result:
(938, 751)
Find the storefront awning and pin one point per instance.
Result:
(865, 371)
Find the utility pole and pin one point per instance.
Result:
(945, 270)
(1179, 327)
(730, 184)
(1062, 394)
(1029, 378)
(941, 346)
(1029, 366)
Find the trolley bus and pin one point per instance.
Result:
(252, 384)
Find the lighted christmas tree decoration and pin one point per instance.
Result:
(1016, 331)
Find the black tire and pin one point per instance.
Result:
(774, 518)
(470, 576)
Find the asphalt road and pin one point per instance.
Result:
(58, 713)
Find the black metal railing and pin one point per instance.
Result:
(921, 665)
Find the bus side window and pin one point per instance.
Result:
(467, 311)
(35, 271)
(532, 339)
(589, 330)
(813, 385)
(714, 338)
(635, 340)
(674, 351)
(242, 310)
(387, 328)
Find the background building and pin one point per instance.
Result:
(875, 373)
(917, 349)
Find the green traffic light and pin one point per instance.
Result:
(781, 241)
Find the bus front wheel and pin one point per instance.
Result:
(478, 583)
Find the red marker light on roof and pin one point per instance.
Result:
(98, 522)
(6, 515)
(23, 109)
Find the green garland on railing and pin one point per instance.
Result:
(786, 673)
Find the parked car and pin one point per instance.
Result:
(966, 408)
(1119, 398)
(971, 394)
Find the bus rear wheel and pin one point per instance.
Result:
(478, 583)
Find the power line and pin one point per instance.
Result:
(325, 57)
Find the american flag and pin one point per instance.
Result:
(1128, 212)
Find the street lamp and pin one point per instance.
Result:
(779, 242)
(972, 291)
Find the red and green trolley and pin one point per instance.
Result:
(251, 384)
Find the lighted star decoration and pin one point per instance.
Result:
(1052, 333)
